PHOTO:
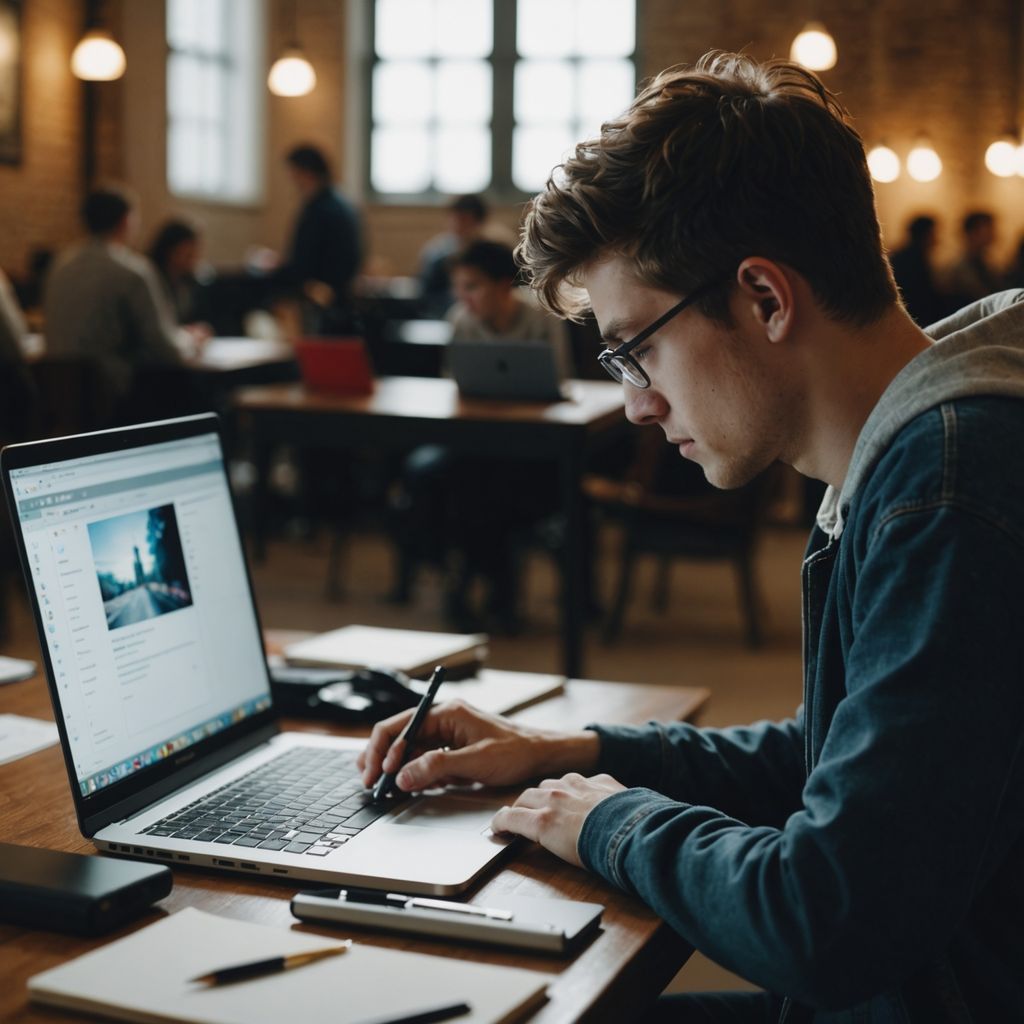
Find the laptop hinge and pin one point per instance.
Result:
(126, 808)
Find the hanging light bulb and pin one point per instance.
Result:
(923, 163)
(98, 57)
(291, 74)
(814, 48)
(1001, 157)
(884, 164)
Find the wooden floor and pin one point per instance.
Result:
(697, 641)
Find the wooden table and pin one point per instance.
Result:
(406, 411)
(632, 958)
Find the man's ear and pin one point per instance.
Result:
(766, 290)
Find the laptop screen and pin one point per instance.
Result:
(144, 600)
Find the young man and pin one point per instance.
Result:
(865, 860)
(490, 307)
(103, 300)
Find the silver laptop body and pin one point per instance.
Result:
(160, 688)
(516, 370)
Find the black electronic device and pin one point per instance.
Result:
(72, 892)
(360, 695)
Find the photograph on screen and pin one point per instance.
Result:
(140, 565)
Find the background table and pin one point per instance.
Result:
(403, 412)
(632, 958)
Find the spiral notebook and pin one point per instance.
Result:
(145, 977)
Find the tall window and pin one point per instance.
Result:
(468, 95)
(215, 97)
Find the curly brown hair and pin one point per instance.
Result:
(713, 163)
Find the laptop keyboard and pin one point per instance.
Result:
(307, 800)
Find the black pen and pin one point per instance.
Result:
(258, 968)
(409, 733)
(435, 1013)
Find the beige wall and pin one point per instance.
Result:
(903, 67)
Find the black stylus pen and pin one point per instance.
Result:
(387, 781)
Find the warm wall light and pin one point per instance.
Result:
(923, 163)
(1001, 157)
(292, 74)
(814, 48)
(884, 164)
(98, 57)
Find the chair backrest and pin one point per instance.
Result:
(74, 396)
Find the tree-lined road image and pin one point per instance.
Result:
(140, 566)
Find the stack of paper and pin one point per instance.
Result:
(409, 650)
(145, 977)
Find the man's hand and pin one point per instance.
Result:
(458, 744)
(553, 813)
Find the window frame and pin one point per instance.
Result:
(503, 59)
(256, 90)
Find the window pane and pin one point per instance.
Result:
(535, 152)
(404, 28)
(464, 28)
(184, 159)
(545, 28)
(462, 160)
(402, 92)
(185, 81)
(183, 17)
(605, 90)
(213, 159)
(400, 160)
(605, 28)
(464, 92)
(211, 27)
(543, 92)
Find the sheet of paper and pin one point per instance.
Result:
(20, 736)
(13, 670)
(145, 977)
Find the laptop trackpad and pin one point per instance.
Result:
(460, 813)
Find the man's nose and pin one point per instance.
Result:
(643, 405)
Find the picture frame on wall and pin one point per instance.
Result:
(10, 81)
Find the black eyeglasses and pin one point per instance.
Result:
(622, 365)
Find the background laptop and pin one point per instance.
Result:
(154, 657)
(335, 366)
(524, 370)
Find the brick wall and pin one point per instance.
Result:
(39, 197)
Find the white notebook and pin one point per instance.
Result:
(144, 977)
(413, 651)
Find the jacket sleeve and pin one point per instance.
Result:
(754, 773)
(915, 800)
(153, 327)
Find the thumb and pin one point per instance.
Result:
(470, 763)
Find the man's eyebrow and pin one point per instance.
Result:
(612, 332)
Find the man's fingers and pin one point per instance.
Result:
(519, 821)
(434, 766)
(381, 739)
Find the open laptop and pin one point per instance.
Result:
(160, 689)
(522, 370)
(335, 366)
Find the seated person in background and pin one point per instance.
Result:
(326, 247)
(17, 392)
(915, 276)
(102, 300)
(471, 513)
(972, 277)
(175, 251)
(491, 308)
(862, 861)
(467, 216)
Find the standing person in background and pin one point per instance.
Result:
(176, 251)
(915, 276)
(467, 216)
(102, 300)
(972, 277)
(327, 247)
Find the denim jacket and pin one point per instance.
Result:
(866, 858)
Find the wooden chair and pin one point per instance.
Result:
(704, 524)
